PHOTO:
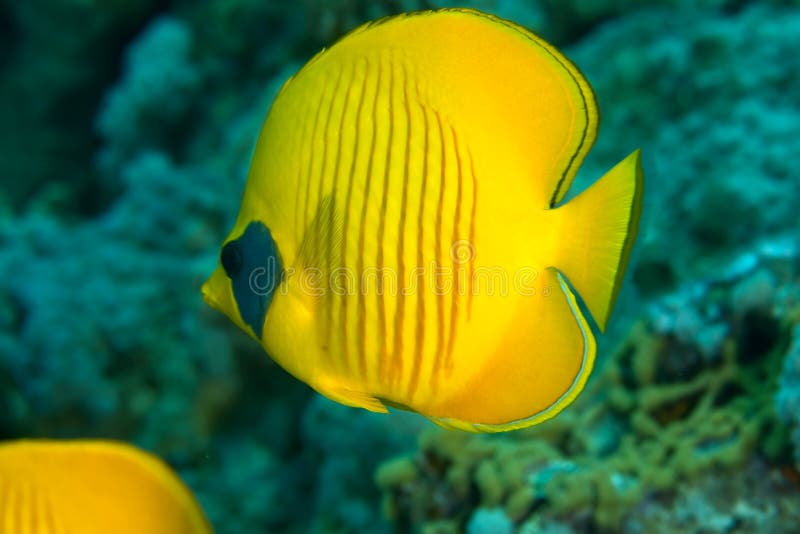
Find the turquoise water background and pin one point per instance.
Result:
(126, 134)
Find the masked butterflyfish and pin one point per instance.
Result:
(92, 487)
(403, 239)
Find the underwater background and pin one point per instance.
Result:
(126, 135)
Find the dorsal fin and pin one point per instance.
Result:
(550, 109)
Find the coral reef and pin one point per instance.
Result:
(788, 397)
(754, 499)
(57, 59)
(490, 520)
(154, 96)
(346, 500)
(721, 168)
(104, 325)
(102, 328)
(123, 156)
(670, 407)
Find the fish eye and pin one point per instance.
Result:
(231, 258)
(253, 266)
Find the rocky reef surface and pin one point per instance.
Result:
(122, 159)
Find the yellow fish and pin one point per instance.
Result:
(92, 487)
(402, 239)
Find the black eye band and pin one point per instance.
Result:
(231, 258)
(253, 265)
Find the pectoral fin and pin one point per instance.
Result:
(319, 255)
(351, 397)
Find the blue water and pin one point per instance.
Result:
(125, 139)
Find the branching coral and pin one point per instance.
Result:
(158, 89)
(666, 410)
(102, 330)
(788, 396)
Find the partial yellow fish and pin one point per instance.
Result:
(92, 487)
(402, 239)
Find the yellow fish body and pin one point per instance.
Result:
(92, 487)
(401, 240)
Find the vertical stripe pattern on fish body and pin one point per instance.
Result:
(409, 183)
(405, 190)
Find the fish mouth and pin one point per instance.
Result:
(208, 297)
(213, 289)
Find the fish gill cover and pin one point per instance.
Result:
(122, 161)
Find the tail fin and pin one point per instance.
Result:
(598, 228)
